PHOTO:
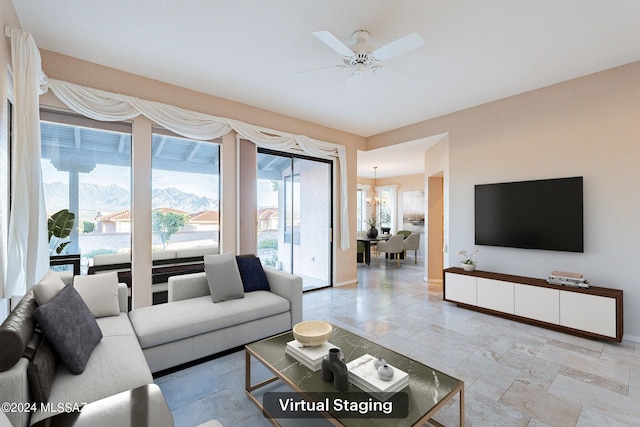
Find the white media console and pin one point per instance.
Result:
(593, 312)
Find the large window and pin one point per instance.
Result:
(86, 168)
(185, 192)
(361, 205)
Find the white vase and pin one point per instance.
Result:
(468, 267)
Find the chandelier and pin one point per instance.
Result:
(375, 200)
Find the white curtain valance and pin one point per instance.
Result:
(107, 106)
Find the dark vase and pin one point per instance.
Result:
(334, 369)
(373, 232)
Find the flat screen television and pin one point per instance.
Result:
(542, 214)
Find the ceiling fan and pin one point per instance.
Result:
(361, 57)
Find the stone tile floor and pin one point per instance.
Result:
(514, 374)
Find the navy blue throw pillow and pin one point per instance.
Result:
(252, 274)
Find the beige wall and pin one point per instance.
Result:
(74, 70)
(586, 127)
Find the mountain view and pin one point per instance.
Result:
(113, 198)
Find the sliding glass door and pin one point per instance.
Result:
(294, 215)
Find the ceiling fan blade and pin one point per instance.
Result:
(378, 68)
(315, 70)
(330, 40)
(404, 44)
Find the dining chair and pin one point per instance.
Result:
(361, 251)
(405, 233)
(392, 246)
(412, 243)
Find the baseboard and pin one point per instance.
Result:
(633, 338)
(347, 283)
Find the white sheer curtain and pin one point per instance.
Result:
(27, 248)
(391, 204)
(107, 106)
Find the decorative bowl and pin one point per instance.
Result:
(312, 332)
(468, 267)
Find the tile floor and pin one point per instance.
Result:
(514, 374)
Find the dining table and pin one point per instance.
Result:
(371, 241)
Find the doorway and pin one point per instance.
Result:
(294, 195)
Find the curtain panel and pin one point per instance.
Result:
(107, 106)
(27, 240)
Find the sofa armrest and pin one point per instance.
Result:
(123, 297)
(186, 286)
(287, 286)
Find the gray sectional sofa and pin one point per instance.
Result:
(117, 364)
(150, 339)
(191, 326)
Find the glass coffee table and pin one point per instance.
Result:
(428, 390)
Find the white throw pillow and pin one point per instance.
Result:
(100, 293)
(48, 287)
(223, 277)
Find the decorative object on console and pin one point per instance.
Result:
(312, 332)
(335, 370)
(469, 263)
(565, 278)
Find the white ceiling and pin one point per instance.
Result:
(250, 50)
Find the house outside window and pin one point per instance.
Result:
(86, 168)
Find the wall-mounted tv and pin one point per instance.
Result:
(541, 214)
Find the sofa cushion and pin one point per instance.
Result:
(41, 371)
(163, 323)
(223, 277)
(48, 287)
(252, 274)
(16, 331)
(100, 293)
(70, 327)
(116, 365)
(115, 325)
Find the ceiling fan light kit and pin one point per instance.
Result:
(361, 57)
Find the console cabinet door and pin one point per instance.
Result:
(586, 312)
(460, 288)
(495, 295)
(537, 303)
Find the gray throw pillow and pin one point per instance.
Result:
(48, 287)
(70, 328)
(100, 293)
(223, 277)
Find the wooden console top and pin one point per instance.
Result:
(592, 290)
